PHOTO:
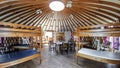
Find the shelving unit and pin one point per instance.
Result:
(13, 33)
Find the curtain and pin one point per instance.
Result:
(116, 43)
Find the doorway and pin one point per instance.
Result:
(48, 36)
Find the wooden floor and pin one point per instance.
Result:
(51, 60)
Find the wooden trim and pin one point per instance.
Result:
(99, 34)
(18, 25)
(21, 47)
(97, 31)
(8, 34)
(111, 24)
(18, 30)
(101, 30)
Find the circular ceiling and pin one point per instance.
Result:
(76, 13)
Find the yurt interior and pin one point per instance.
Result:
(59, 33)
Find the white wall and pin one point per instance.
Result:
(54, 35)
(67, 35)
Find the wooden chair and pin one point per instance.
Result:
(64, 48)
(58, 47)
(51, 46)
(72, 46)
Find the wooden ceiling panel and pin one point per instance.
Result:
(82, 13)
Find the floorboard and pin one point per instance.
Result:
(51, 60)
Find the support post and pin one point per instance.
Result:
(40, 47)
(77, 43)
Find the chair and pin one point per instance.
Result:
(58, 47)
(72, 45)
(51, 46)
(64, 48)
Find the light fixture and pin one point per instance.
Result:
(69, 4)
(56, 6)
(38, 11)
(71, 16)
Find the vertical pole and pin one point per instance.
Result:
(40, 38)
(31, 42)
(77, 44)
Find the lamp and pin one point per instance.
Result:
(69, 4)
(39, 11)
(56, 6)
